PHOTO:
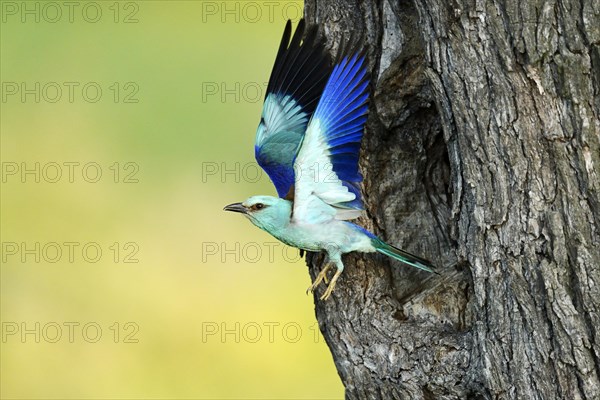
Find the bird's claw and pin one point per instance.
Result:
(331, 286)
(323, 277)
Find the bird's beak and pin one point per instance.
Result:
(236, 207)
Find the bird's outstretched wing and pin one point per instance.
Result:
(327, 178)
(299, 75)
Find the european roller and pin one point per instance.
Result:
(308, 142)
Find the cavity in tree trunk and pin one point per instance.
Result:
(481, 153)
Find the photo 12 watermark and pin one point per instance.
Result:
(233, 172)
(69, 332)
(233, 92)
(251, 12)
(69, 252)
(254, 252)
(69, 172)
(250, 252)
(54, 12)
(70, 92)
(252, 172)
(259, 332)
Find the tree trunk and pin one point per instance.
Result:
(481, 153)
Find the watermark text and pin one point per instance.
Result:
(69, 252)
(69, 332)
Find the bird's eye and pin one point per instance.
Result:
(259, 206)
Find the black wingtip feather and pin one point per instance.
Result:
(302, 66)
(354, 45)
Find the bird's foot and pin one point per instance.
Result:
(321, 277)
(331, 285)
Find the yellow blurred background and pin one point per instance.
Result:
(125, 129)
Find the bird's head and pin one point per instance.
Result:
(267, 212)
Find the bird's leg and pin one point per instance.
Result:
(340, 268)
(328, 265)
(321, 277)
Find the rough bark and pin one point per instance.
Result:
(482, 153)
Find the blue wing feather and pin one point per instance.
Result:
(327, 184)
(342, 111)
(278, 170)
(297, 80)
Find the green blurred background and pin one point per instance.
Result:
(213, 307)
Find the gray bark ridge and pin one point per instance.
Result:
(481, 153)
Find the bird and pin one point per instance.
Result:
(308, 142)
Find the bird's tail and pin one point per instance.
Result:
(402, 255)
